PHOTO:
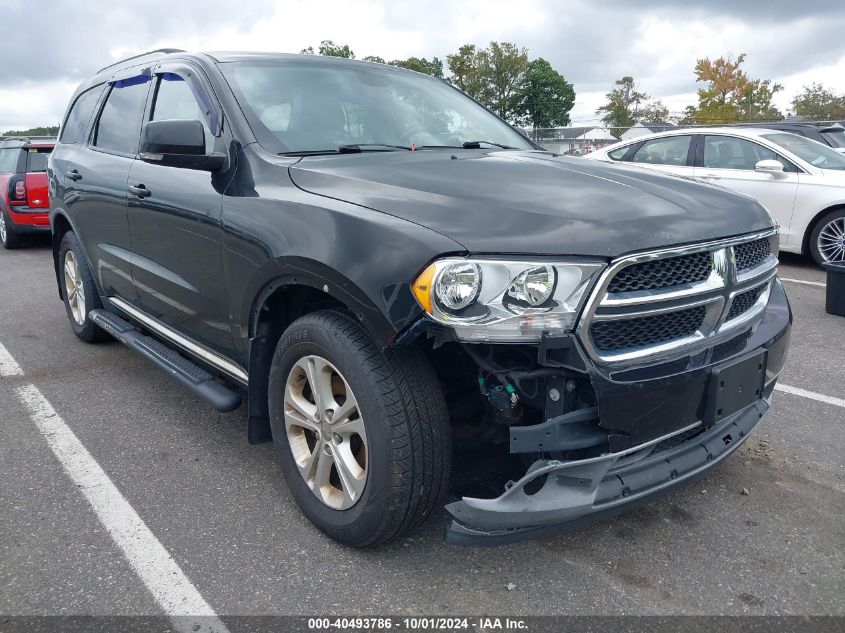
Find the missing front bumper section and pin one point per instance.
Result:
(576, 493)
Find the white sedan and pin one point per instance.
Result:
(801, 182)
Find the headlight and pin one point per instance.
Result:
(504, 300)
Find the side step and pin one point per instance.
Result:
(192, 376)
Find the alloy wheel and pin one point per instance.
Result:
(325, 432)
(831, 241)
(74, 290)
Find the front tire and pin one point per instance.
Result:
(8, 238)
(827, 240)
(79, 292)
(362, 436)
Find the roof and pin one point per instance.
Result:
(657, 126)
(24, 141)
(574, 132)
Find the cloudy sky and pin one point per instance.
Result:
(48, 47)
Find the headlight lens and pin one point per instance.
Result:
(457, 285)
(534, 286)
(504, 300)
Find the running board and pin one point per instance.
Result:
(190, 375)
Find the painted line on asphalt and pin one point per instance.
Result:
(181, 601)
(805, 282)
(8, 365)
(812, 395)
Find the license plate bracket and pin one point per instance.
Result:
(733, 386)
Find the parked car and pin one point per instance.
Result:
(831, 133)
(24, 205)
(383, 267)
(801, 182)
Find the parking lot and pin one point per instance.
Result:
(763, 534)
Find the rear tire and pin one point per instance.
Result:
(401, 408)
(79, 292)
(827, 239)
(8, 237)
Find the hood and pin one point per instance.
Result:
(532, 202)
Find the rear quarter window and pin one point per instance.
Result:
(9, 160)
(80, 113)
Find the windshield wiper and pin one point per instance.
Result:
(355, 148)
(477, 145)
(352, 148)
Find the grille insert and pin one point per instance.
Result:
(620, 334)
(662, 273)
(744, 301)
(750, 254)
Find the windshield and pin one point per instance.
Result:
(815, 153)
(308, 107)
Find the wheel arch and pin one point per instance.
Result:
(303, 287)
(811, 225)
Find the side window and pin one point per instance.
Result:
(119, 126)
(730, 152)
(80, 113)
(9, 160)
(174, 100)
(618, 153)
(671, 150)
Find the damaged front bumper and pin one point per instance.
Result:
(696, 416)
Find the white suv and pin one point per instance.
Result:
(800, 181)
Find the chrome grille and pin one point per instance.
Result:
(648, 330)
(662, 273)
(744, 302)
(751, 254)
(666, 304)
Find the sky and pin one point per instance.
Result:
(49, 46)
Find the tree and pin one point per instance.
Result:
(433, 67)
(730, 95)
(817, 102)
(545, 97)
(492, 75)
(653, 112)
(44, 130)
(375, 58)
(330, 49)
(623, 104)
(468, 67)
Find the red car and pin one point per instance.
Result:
(24, 205)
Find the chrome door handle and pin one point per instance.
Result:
(141, 191)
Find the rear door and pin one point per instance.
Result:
(176, 233)
(96, 175)
(669, 154)
(730, 161)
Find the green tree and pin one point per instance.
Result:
(545, 98)
(492, 75)
(755, 101)
(44, 130)
(623, 104)
(375, 58)
(468, 68)
(330, 49)
(730, 95)
(433, 67)
(817, 102)
(653, 112)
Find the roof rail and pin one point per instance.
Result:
(163, 51)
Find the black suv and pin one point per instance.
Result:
(831, 133)
(390, 272)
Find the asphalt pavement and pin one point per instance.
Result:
(763, 534)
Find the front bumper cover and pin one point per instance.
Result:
(579, 492)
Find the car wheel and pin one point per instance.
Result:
(827, 241)
(362, 435)
(8, 237)
(78, 290)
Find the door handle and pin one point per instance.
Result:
(141, 191)
(73, 175)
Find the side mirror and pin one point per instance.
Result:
(772, 167)
(178, 143)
